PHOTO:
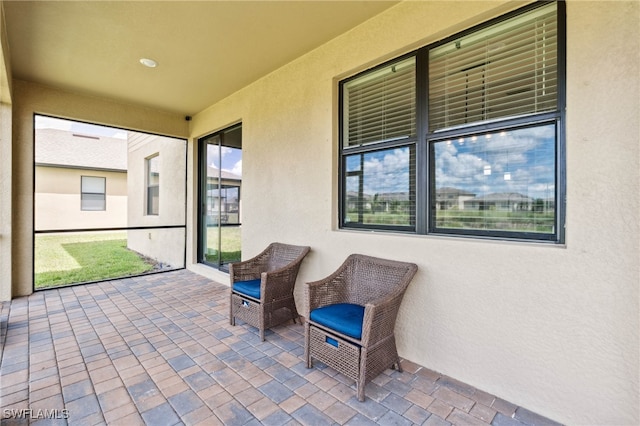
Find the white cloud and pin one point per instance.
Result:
(387, 173)
(526, 154)
(237, 168)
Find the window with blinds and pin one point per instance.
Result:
(463, 136)
(93, 193)
(505, 70)
(380, 105)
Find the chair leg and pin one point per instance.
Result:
(360, 389)
(362, 375)
(307, 354)
(262, 320)
(294, 313)
(232, 319)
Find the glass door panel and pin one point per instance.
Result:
(221, 181)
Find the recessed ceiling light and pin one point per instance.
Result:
(148, 62)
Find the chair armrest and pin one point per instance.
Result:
(380, 318)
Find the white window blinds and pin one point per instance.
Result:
(91, 184)
(507, 70)
(380, 105)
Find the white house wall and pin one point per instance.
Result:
(163, 245)
(551, 328)
(57, 200)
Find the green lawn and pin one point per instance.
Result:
(523, 221)
(62, 259)
(231, 244)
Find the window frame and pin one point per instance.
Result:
(148, 204)
(424, 165)
(103, 194)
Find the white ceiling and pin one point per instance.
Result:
(206, 50)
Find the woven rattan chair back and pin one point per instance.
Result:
(277, 268)
(377, 284)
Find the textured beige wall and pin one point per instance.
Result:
(58, 204)
(5, 164)
(30, 99)
(5, 202)
(552, 328)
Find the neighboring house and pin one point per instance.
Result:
(452, 198)
(156, 193)
(96, 182)
(506, 201)
(396, 202)
(223, 201)
(356, 201)
(80, 181)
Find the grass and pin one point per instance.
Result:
(523, 221)
(62, 259)
(231, 244)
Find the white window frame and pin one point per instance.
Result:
(98, 196)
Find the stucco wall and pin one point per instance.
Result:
(551, 328)
(58, 204)
(5, 163)
(5, 202)
(30, 98)
(164, 245)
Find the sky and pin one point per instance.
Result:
(520, 161)
(44, 122)
(231, 158)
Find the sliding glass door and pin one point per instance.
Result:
(220, 198)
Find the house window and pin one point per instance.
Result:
(93, 193)
(378, 147)
(461, 137)
(153, 184)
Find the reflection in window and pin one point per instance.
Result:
(477, 118)
(379, 188)
(153, 185)
(93, 193)
(501, 181)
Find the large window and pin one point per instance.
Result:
(93, 193)
(461, 137)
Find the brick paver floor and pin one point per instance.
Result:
(159, 350)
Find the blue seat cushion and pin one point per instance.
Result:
(345, 318)
(250, 288)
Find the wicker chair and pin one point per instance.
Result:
(351, 315)
(262, 287)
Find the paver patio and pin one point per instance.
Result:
(159, 350)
